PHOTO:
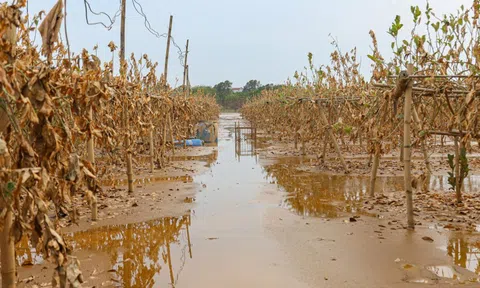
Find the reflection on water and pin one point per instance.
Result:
(327, 195)
(26, 254)
(209, 159)
(147, 180)
(465, 252)
(137, 252)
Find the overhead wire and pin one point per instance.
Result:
(138, 7)
(112, 20)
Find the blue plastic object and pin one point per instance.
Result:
(194, 142)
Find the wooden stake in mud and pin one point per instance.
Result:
(458, 182)
(328, 128)
(407, 146)
(7, 249)
(376, 162)
(125, 105)
(7, 244)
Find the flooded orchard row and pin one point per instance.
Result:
(228, 220)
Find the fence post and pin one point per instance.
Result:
(407, 142)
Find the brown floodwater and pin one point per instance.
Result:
(328, 195)
(224, 242)
(147, 180)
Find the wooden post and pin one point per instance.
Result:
(458, 180)
(185, 68)
(7, 249)
(188, 80)
(123, 72)
(7, 245)
(407, 142)
(165, 70)
(376, 162)
(330, 134)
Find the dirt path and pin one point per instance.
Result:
(249, 227)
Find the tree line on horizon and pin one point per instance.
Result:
(231, 100)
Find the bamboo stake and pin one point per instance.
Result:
(165, 70)
(376, 162)
(185, 71)
(407, 150)
(458, 182)
(323, 118)
(7, 245)
(125, 114)
(7, 249)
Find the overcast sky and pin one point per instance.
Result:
(241, 40)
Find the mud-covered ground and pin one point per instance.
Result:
(246, 215)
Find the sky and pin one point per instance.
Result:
(266, 40)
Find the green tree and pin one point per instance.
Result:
(251, 86)
(223, 89)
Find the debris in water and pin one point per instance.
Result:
(428, 239)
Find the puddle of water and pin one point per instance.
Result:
(208, 158)
(327, 195)
(147, 180)
(138, 252)
(464, 250)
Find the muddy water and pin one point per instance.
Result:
(147, 180)
(218, 245)
(327, 195)
(226, 240)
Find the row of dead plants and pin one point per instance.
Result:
(429, 87)
(57, 112)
